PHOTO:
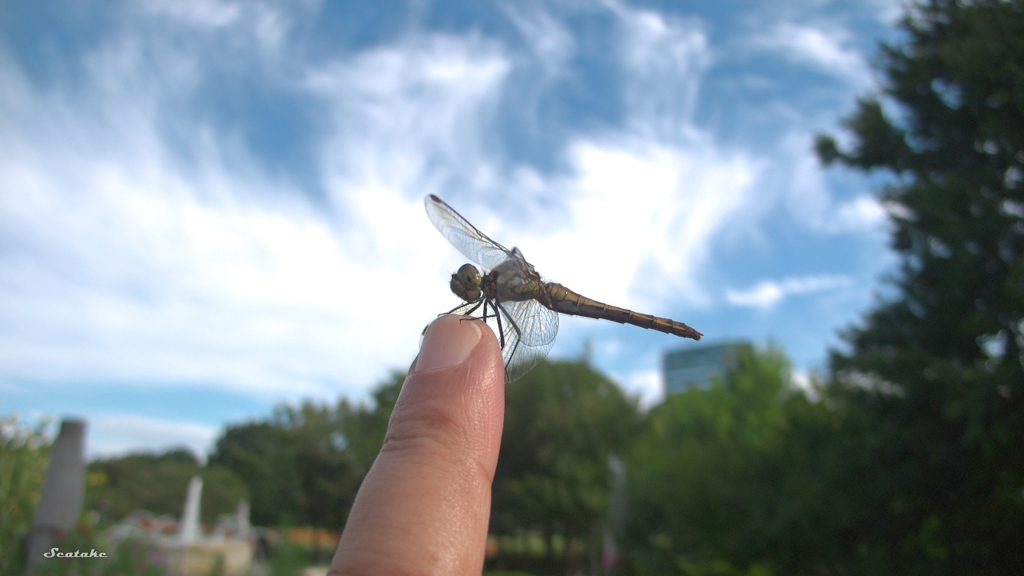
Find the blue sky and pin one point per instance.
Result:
(208, 207)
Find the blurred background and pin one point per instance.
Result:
(213, 249)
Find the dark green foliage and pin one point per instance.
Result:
(937, 368)
(364, 427)
(745, 478)
(288, 560)
(304, 465)
(260, 454)
(294, 471)
(563, 422)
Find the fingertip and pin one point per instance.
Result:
(458, 380)
(452, 339)
(448, 341)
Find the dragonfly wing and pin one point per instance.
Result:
(523, 360)
(537, 325)
(530, 344)
(473, 243)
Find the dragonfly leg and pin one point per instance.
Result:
(467, 312)
(476, 305)
(494, 314)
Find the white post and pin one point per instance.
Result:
(242, 520)
(189, 529)
(63, 493)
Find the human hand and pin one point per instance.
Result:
(426, 501)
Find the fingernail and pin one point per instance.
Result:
(447, 342)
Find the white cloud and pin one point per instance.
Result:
(663, 59)
(826, 48)
(807, 381)
(648, 385)
(645, 211)
(410, 117)
(209, 13)
(768, 293)
(861, 213)
(800, 185)
(128, 264)
(887, 12)
(550, 40)
(139, 284)
(113, 435)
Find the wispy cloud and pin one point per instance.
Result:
(663, 59)
(127, 262)
(207, 13)
(543, 34)
(259, 24)
(811, 200)
(409, 117)
(888, 12)
(116, 434)
(163, 268)
(670, 203)
(769, 293)
(649, 197)
(826, 48)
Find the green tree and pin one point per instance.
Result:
(937, 365)
(327, 476)
(563, 422)
(741, 478)
(259, 452)
(363, 426)
(304, 464)
(158, 482)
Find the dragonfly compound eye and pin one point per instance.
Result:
(466, 283)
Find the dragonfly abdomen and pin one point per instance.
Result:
(565, 301)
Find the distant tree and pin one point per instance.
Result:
(937, 365)
(304, 464)
(158, 482)
(260, 453)
(741, 478)
(363, 426)
(563, 422)
(327, 477)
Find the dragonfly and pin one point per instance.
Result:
(508, 291)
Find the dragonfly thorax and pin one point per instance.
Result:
(466, 283)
